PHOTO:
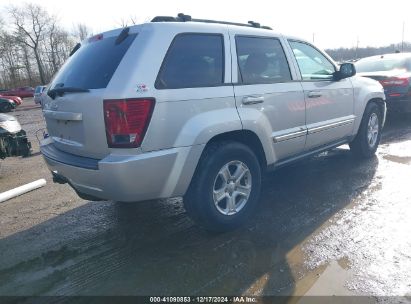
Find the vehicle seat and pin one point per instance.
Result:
(255, 65)
(193, 70)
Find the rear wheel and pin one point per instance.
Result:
(225, 188)
(368, 137)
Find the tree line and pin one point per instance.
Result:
(345, 54)
(34, 45)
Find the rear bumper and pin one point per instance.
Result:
(128, 178)
(399, 104)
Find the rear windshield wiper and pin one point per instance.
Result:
(122, 36)
(53, 93)
(75, 49)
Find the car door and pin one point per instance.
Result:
(269, 100)
(329, 103)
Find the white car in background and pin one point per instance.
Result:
(38, 92)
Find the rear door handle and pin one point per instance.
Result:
(249, 100)
(314, 94)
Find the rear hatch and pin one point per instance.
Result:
(74, 116)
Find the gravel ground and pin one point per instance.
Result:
(329, 225)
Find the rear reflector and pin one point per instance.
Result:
(127, 121)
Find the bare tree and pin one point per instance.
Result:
(10, 58)
(27, 63)
(31, 22)
(56, 47)
(123, 22)
(34, 47)
(82, 31)
(131, 20)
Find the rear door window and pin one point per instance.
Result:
(261, 60)
(94, 64)
(193, 60)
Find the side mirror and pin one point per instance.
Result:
(346, 70)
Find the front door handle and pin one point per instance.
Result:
(249, 100)
(314, 94)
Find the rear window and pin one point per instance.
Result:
(93, 65)
(380, 64)
(193, 60)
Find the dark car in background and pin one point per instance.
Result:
(6, 104)
(393, 71)
(21, 92)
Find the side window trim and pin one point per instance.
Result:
(240, 77)
(221, 35)
(297, 65)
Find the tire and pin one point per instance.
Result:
(208, 198)
(368, 137)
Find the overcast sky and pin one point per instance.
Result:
(333, 23)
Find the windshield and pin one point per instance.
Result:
(93, 65)
(381, 64)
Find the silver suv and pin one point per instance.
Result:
(200, 109)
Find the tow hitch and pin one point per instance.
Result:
(59, 179)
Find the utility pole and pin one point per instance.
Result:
(402, 43)
(313, 37)
(356, 49)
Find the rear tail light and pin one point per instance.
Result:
(395, 82)
(126, 121)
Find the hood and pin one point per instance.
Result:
(9, 124)
(5, 117)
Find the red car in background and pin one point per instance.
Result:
(17, 100)
(22, 92)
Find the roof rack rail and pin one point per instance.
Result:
(184, 18)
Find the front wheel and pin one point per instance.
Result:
(225, 188)
(368, 137)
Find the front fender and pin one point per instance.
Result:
(365, 89)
